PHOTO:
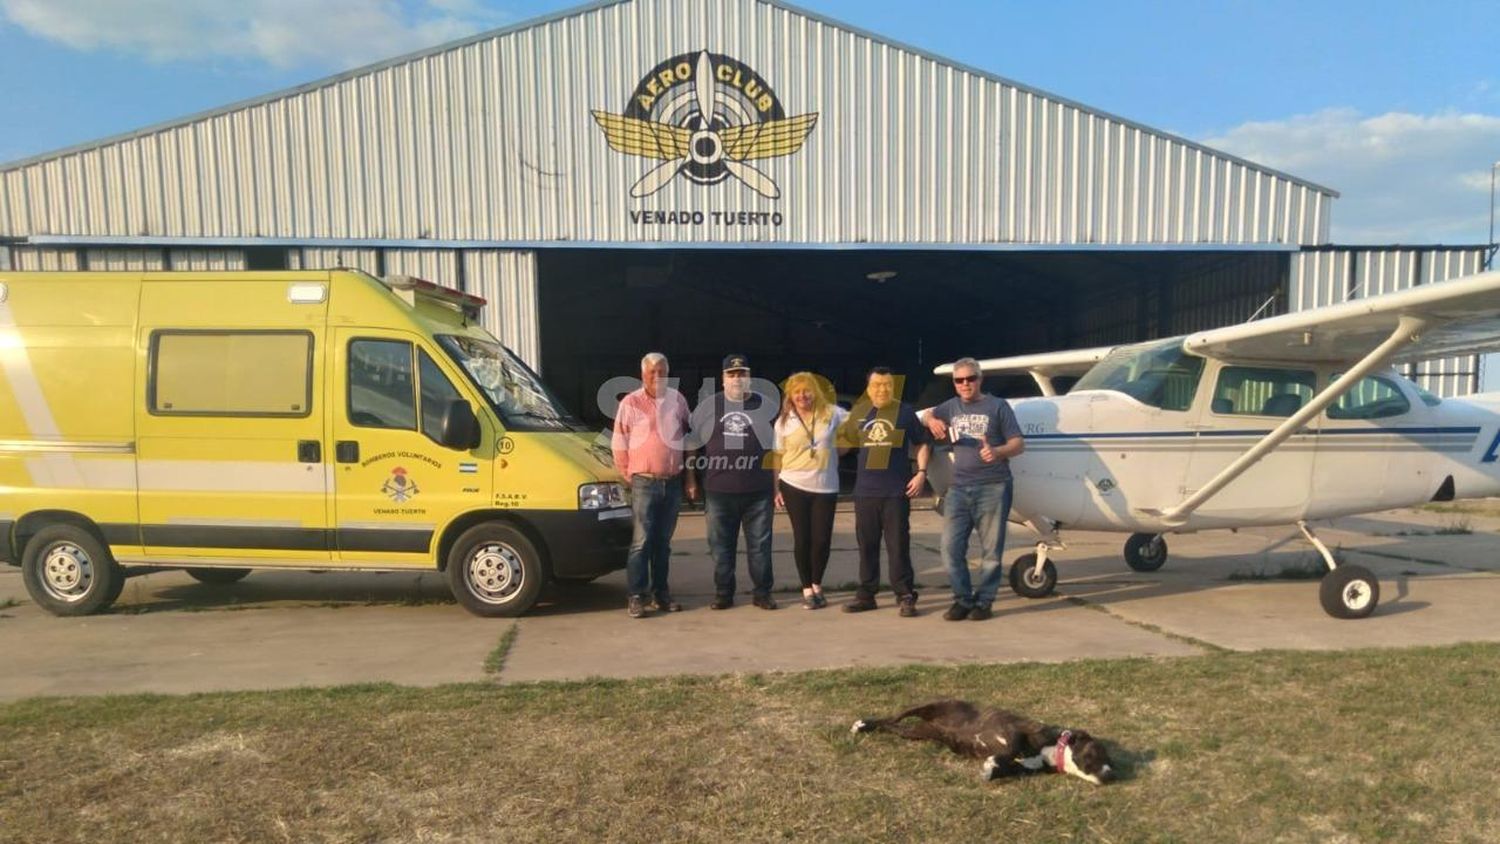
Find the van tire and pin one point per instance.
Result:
(217, 577)
(495, 571)
(69, 571)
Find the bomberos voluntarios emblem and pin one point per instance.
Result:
(703, 117)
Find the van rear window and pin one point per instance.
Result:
(231, 373)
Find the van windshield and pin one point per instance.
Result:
(514, 391)
(1158, 374)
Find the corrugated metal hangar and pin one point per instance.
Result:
(699, 176)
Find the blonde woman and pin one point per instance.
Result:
(807, 485)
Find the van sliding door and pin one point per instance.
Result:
(231, 459)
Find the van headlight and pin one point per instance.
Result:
(602, 496)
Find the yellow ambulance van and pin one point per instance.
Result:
(220, 422)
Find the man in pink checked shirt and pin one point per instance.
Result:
(651, 429)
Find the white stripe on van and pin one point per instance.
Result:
(58, 470)
(63, 471)
(231, 476)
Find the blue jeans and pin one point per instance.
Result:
(986, 506)
(727, 512)
(654, 502)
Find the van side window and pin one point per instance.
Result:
(382, 392)
(437, 393)
(1372, 398)
(1262, 391)
(230, 373)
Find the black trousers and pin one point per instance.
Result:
(890, 518)
(811, 514)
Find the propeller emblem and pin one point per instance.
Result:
(728, 118)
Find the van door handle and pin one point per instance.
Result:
(309, 451)
(346, 451)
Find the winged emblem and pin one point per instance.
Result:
(704, 139)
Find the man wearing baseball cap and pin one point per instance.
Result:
(735, 427)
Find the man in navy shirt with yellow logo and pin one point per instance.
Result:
(985, 435)
(886, 430)
(736, 428)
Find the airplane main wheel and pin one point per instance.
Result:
(1025, 580)
(1145, 551)
(1349, 592)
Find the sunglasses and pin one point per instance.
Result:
(965, 379)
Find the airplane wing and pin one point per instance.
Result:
(1459, 317)
(1041, 367)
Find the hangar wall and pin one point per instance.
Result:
(494, 140)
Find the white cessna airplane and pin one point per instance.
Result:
(1282, 421)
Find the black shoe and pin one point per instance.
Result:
(636, 606)
(957, 612)
(908, 606)
(664, 603)
(980, 612)
(721, 602)
(860, 605)
(765, 602)
(819, 600)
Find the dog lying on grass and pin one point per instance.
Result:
(1007, 742)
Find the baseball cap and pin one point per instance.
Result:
(736, 362)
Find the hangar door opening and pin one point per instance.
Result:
(839, 312)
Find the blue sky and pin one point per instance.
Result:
(1394, 104)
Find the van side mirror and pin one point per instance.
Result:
(460, 426)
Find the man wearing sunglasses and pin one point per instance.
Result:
(985, 435)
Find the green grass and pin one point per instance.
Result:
(1375, 745)
(495, 662)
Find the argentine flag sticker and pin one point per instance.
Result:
(468, 468)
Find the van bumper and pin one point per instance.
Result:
(581, 544)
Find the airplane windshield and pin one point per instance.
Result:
(1159, 374)
(517, 394)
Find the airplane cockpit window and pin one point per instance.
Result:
(1158, 374)
(1427, 397)
(1374, 397)
(1262, 391)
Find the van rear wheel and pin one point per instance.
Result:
(495, 571)
(68, 571)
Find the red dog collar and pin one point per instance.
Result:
(1062, 743)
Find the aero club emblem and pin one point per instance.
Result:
(704, 117)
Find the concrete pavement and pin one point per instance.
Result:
(1219, 590)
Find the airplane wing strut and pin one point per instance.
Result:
(1408, 331)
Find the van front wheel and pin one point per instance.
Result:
(495, 571)
(68, 571)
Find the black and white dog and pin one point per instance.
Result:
(1007, 742)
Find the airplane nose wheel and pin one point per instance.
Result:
(1030, 583)
(1145, 551)
(1349, 591)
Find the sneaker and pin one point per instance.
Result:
(980, 612)
(820, 600)
(809, 602)
(765, 602)
(908, 606)
(860, 605)
(636, 606)
(721, 602)
(664, 603)
(957, 612)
